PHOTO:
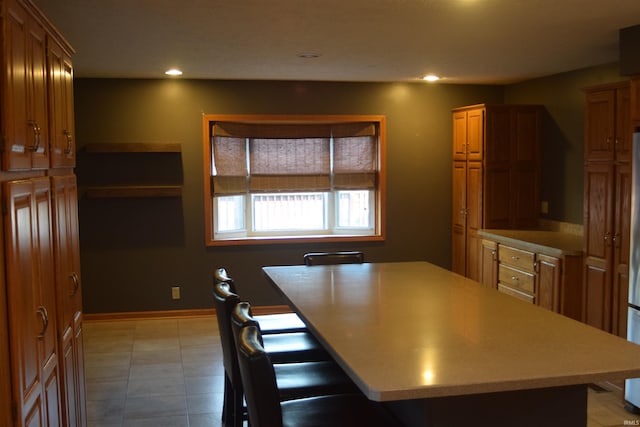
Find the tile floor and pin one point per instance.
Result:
(168, 372)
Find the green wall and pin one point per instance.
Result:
(133, 251)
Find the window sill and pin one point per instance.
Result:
(293, 240)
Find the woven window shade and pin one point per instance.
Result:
(230, 163)
(354, 163)
(293, 157)
(290, 165)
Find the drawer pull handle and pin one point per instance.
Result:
(44, 316)
(515, 257)
(514, 278)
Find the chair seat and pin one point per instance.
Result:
(279, 323)
(306, 379)
(294, 347)
(336, 411)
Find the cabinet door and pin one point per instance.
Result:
(621, 244)
(598, 238)
(69, 297)
(600, 125)
(459, 215)
(489, 269)
(31, 300)
(634, 99)
(61, 101)
(25, 122)
(475, 134)
(548, 282)
(460, 135)
(474, 218)
(623, 130)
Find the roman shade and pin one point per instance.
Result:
(259, 157)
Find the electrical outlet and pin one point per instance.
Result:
(544, 207)
(175, 292)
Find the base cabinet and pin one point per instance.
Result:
(551, 282)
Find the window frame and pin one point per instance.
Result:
(379, 193)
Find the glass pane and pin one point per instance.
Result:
(229, 213)
(354, 209)
(289, 211)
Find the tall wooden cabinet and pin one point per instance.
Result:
(496, 174)
(41, 358)
(607, 184)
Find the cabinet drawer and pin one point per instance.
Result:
(515, 293)
(518, 258)
(516, 278)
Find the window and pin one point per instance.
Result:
(278, 179)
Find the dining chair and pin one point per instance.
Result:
(295, 379)
(266, 409)
(329, 258)
(269, 323)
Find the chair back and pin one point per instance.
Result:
(329, 258)
(220, 275)
(225, 302)
(241, 317)
(258, 379)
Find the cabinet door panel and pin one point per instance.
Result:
(61, 99)
(623, 138)
(621, 244)
(548, 282)
(597, 295)
(600, 125)
(460, 135)
(597, 210)
(475, 134)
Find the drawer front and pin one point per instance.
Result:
(516, 278)
(518, 258)
(515, 293)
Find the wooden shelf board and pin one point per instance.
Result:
(133, 191)
(138, 147)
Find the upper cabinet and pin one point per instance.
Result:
(60, 85)
(37, 113)
(607, 123)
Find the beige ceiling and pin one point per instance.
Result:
(465, 41)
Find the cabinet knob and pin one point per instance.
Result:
(514, 278)
(515, 257)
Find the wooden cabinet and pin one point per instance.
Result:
(496, 172)
(32, 302)
(61, 123)
(607, 203)
(539, 267)
(489, 263)
(69, 294)
(607, 123)
(516, 271)
(41, 359)
(24, 102)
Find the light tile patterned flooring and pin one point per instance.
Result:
(168, 372)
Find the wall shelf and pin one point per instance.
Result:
(138, 147)
(130, 170)
(133, 191)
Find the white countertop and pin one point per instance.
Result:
(414, 330)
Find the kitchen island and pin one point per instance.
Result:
(441, 350)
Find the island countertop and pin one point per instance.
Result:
(412, 330)
(552, 243)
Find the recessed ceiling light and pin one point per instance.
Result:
(173, 72)
(431, 78)
(308, 55)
